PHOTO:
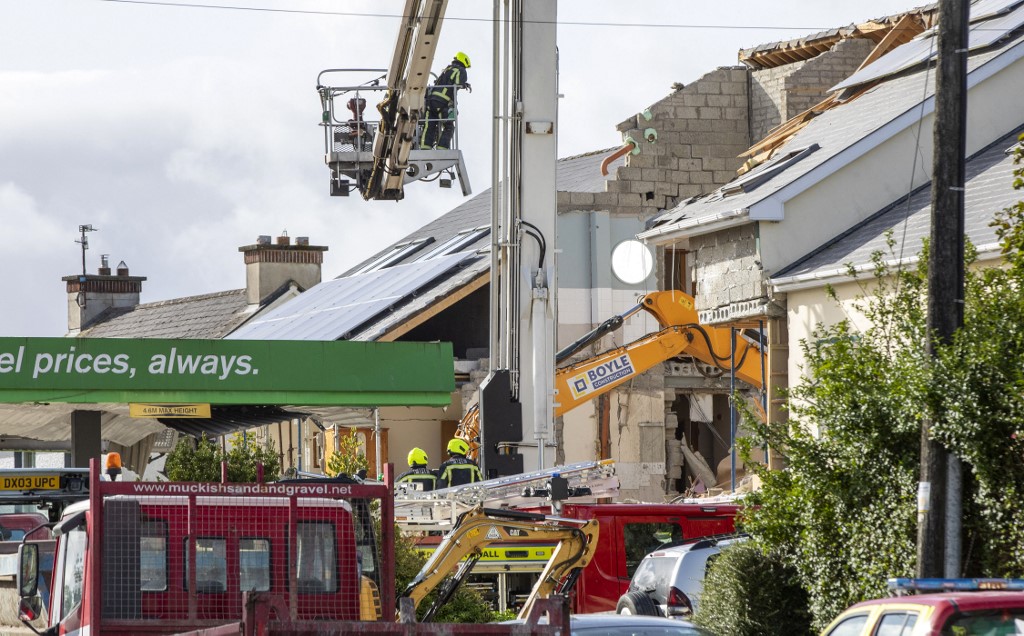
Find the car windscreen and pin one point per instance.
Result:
(639, 630)
(652, 577)
(1006, 622)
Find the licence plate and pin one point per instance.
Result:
(30, 482)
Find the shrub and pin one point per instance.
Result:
(749, 593)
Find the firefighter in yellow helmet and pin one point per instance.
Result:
(459, 469)
(418, 472)
(440, 104)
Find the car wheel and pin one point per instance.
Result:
(637, 603)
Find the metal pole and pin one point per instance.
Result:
(732, 407)
(376, 440)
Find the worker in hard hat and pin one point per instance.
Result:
(418, 472)
(440, 104)
(459, 469)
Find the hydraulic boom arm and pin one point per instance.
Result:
(407, 80)
(681, 334)
(480, 527)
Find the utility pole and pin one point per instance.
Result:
(937, 512)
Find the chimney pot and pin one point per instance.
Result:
(302, 240)
(122, 269)
(284, 240)
(263, 239)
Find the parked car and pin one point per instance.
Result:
(617, 625)
(966, 607)
(668, 582)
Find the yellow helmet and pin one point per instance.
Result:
(458, 446)
(462, 57)
(417, 456)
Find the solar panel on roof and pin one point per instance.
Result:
(917, 51)
(334, 308)
(991, 31)
(992, 20)
(985, 9)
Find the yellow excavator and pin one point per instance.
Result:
(727, 350)
(475, 529)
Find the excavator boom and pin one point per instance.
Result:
(480, 527)
(723, 348)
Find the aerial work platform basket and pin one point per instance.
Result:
(361, 146)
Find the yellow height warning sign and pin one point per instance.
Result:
(169, 410)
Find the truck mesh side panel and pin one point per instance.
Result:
(301, 550)
(121, 597)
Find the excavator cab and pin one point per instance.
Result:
(364, 148)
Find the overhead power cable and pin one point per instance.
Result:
(354, 14)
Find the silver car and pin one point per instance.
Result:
(668, 582)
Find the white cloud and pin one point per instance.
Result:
(185, 133)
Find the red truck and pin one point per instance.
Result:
(223, 558)
(627, 532)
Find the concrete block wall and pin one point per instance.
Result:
(701, 130)
(729, 270)
(778, 94)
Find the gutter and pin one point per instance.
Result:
(702, 225)
(835, 276)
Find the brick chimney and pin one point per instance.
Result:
(89, 295)
(268, 266)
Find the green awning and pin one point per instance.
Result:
(335, 373)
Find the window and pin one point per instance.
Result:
(765, 171)
(850, 626)
(653, 577)
(317, 563)
(1006, 622)
(73, 571)
(896, 624)
(643, 538)
(457, 242)
(394, 255)
(211, 565)
(153, 556)
(254, 565)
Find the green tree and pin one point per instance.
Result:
(844, 511)
(200, 459)
(349, 458)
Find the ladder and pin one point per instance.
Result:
(416, 510)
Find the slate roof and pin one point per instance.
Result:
(989, 179)
(891, 105)
(365, 306)
(579, 173)
(209, 316)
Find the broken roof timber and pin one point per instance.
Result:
(781, 53)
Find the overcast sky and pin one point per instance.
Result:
(183, 132)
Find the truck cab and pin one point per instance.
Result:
(628, 532)
(165, 558)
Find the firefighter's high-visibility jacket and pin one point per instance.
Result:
(453, 76)
(458, 471)
(420, 475)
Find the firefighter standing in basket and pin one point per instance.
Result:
(440, 104)
(418, 472)
(459, 469)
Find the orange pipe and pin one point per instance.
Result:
(626, 148)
